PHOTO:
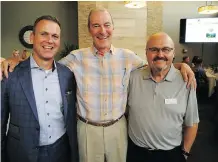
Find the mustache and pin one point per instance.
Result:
(160, 58)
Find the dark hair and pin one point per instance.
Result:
(98, 9)
(194, 59)
(198, 61)
(185, 57)
(45, 17)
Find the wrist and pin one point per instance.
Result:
(185, 153)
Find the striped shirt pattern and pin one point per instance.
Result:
(102, 81)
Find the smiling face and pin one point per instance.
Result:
(16, 53)
(46, 40)
(162, 59)
(101, 29)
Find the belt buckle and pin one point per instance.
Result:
(151, 149)
(107, 124)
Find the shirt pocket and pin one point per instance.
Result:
(120, 80)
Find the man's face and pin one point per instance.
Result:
(160, 52)
(46, 40)
(101, 29)
(24, 54)
(187, 60)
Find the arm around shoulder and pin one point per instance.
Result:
(4, 116)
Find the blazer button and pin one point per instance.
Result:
(37, 128)
(36, 148)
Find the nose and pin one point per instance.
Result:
(102, 30)
(49, 39)
(160, 52)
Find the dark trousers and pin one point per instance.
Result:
(140, 154)
(56, 152)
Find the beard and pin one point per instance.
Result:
(160, 69)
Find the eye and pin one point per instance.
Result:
(153, 49)
(44, 34)
(108, 25)
(165, 49)
(95, 25)
(55, 36)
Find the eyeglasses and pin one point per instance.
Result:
(155, 50)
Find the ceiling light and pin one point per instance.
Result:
(134, 4)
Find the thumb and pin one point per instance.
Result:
(11, 69)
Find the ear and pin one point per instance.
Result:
(89, 31)
(173, 54)
(31, 37)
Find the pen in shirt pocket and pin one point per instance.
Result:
(124, 77)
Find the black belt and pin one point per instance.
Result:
(99, 124)
(159, 150)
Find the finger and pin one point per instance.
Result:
(5, 68)
(184, 75)
(195, 84)
(13, 64)
(1, 75)
(191, 81)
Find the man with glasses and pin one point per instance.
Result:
(159, 106)
(102, 74)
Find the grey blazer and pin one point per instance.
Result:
(17, 99)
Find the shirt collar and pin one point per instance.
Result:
(34, 65)
(169, 77)
(95, 51)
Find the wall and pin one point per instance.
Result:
(130, 28)
(172, 13)
(157, 16)
(15, 15)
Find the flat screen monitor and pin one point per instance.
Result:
(199, 30)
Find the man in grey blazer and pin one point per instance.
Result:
(39, 96)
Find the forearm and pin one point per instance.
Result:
(189, 137)
(177, 65)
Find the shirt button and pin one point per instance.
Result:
(46, 102)
(45, 77)
(46, 89)
(49, 136)
(48, 114)
(48, 125)
(36, 147)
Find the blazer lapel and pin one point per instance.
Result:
(26, 83)
(62, 86)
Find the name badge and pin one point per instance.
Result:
(171, 101)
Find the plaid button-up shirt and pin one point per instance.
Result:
(102, 81)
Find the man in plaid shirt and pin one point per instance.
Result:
(102, 74)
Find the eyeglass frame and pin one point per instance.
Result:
(159, 49)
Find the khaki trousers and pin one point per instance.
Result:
(102, 144)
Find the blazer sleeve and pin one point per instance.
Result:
(4, 116)
(74, 140)
(72, 119)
